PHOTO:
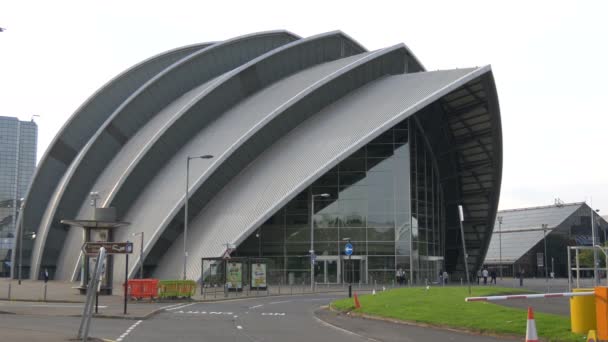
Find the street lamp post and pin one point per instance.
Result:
(595, 277)
(207, 156)
(500, 244)
(312, 235)
(141, 254)
(545, 242)
(464, 247)
(21, 206)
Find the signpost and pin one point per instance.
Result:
(92, 248)
(348, 250)
(126, 248)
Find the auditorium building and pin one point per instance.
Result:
(283, 142)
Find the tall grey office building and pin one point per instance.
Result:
(17, 161)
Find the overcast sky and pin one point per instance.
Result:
(549, 60)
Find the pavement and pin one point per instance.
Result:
(286, 312)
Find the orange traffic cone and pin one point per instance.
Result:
(357, 304)
(531, 335)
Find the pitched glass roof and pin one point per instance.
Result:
(522, 230)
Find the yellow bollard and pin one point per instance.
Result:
(592, 336)
(582, 313)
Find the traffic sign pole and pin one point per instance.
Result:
(126, 281)
(348, 250)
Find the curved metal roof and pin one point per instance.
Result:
(304, 154)
(141, 159)
(135, 111)
(82, 125)
(271, 108)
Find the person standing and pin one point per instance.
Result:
(521, 277)
(493, 277)
(484, 274)
(445, 277)
(46, 275)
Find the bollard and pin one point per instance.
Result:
(9, 291)
(215, 291)
(350, 291)
(45, 294)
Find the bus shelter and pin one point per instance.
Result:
(235, 274)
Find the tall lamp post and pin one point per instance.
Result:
(464, 247)
(596, 279)
(141, 254)
(500, 245)
(312, 240)
(545, 242)
(206, 156)
(21, 206)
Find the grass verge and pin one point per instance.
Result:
(445, 307)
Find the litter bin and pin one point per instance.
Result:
(582, 313)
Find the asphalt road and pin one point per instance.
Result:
(275, 319)
(54, 328)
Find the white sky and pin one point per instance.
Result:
(549, 60)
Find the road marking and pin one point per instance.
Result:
(179, 307)
(239, 327)
(344, 330)
(273, 314)
(126, 333)
(256, 306)
(283, 301)
(171, 306)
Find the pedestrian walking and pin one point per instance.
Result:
(46, 275)
(400, 276)
(521, 277)
(484, 274)
(493, 277)
(445, 277)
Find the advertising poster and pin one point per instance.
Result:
(234, 278)
(258, 275)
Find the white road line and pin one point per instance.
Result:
(344, 330)
(180, 307)
(283, 301)
(256, 306)
(126, 333)
(171, 306)
(239, 327)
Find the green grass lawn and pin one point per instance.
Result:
(445, 306)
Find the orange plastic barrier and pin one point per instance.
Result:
(601, 312)
(143, 288)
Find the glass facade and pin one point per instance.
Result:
(17, 163)
(384, 198)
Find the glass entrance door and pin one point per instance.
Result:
(327, 270)
(354, 270)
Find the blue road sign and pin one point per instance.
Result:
(348, 249)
